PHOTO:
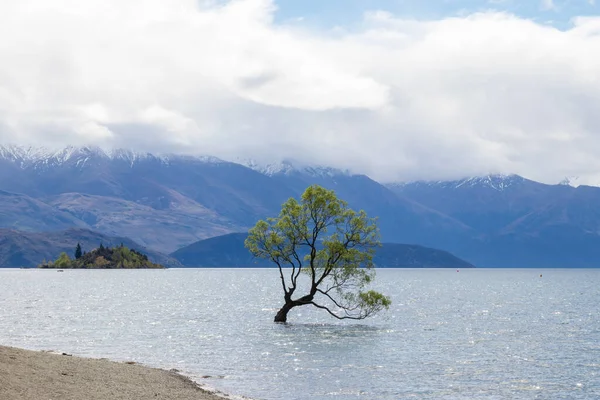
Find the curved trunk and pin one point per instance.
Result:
(289, 304)
(283, 312)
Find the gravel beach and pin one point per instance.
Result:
(37, 375)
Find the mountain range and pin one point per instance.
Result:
(167, 202)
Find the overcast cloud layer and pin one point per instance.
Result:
(396, 99)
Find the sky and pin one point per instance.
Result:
(396, 89)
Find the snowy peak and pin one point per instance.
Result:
(39, 157)
(77, 156)
(496, 182)
(572, 181)
(127, 155)
(267, 169)
(18, 154)
(577, 181)
(287, 167)
(43, 158)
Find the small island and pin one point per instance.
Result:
(119, 257)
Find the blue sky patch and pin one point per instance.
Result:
(327, 14)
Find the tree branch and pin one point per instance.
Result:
(285, 290)
(337, 316)
(331, 298)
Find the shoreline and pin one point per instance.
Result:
(31, 375)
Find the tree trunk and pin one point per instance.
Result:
(283, 312)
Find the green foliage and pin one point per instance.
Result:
(104, 257)
(63, 261)
(322, 238)
(101, 262)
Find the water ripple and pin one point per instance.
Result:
(480, 334)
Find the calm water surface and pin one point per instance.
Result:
(477, 334)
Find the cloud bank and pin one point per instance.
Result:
(394, 98)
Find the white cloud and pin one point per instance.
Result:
(398, 99)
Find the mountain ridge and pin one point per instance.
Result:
(168, 203)
(28, 156)
(38, 157)
(233, 197)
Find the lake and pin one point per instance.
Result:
(473, 334)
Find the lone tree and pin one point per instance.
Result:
(78, 252)
(330, 244)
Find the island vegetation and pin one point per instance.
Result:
(119, 257)
(321, 239)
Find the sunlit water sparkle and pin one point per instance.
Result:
(477, 334)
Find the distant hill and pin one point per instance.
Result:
(221, 251)
(395, 255)
(229, 251)
(26, 249)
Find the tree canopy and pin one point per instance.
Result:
(321, 239)
(78, 252)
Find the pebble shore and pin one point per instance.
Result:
(35, 375)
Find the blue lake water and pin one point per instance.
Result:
(473, 334)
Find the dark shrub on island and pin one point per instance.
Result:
(119, 257)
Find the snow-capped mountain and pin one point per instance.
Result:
(43, 158)
(577, 181)
(496, 182)
(290, 167)
(572, 181)
(159, 201)
(168, 201)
